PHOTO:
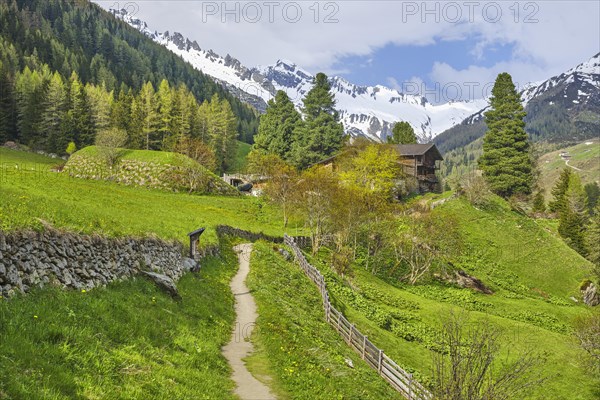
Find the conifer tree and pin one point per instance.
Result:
(573, 218)
(79, 127)
(402, 133)
(30, 94)
(8, 128)
(559, 191)
(53, 116)
(592, 195)
(506, 163)
(149, 116)
(593, 241)
(165, 110)
(277, 126)
(321, 135)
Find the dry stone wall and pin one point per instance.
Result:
(34, 259)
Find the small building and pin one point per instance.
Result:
(421, 161)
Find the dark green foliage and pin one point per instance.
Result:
(593, 242)
(402, 133)
(506, 161)
(539, 206)
(80, 37)
(559, 191)
(459, 136)
(321, 135)
(8, 119)
(592, 194)
(572, 216)
(277, 127)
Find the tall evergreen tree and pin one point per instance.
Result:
(559, 191)
(573, 216)
(29, 90)
(593, 241)
(80, 127)
(592, 195)
(8, 112)
(53, 117)
(277, 126)
(506, 163)
(321, 135)
(402, 133)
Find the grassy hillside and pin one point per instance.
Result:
(585, 158)
(31, 192)
(239, 164)
(532, 273)
(125, 341)
(303, 354)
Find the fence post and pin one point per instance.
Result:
(410, 380)
(364, 346)
(350, 335)
(380, 361)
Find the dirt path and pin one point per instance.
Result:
(247, 387)
(569, 165)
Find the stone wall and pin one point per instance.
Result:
(149, 174)
(30, 259)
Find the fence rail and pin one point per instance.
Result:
(400, 380)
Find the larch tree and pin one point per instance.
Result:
(506, 161)
(53, 116)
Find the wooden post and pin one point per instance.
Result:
(350, 335)
(410, 379)
(364, 346)
(380, 361)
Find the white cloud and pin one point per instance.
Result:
(566, 32)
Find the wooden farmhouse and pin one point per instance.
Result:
(420, 161)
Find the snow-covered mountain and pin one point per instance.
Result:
(367, 111)
(565, 107)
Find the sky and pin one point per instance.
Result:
(444, 50)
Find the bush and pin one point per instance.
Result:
(475, 189)
(109, 142)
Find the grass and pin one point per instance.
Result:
(151, 156)
(30, 192)
(584, 156)
(240, 161)
(295, 346)
(532, 272)
(125, 341)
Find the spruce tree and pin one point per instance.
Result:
(506, 163)
(593, 241)
(8, 128)
(573, 218)
(277, 127)
(402, 133)
(559, 191)
(321, 135)
(592, 195)
(79, 114)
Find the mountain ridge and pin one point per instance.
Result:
(367, 111)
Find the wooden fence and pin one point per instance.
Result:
(401, 380)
